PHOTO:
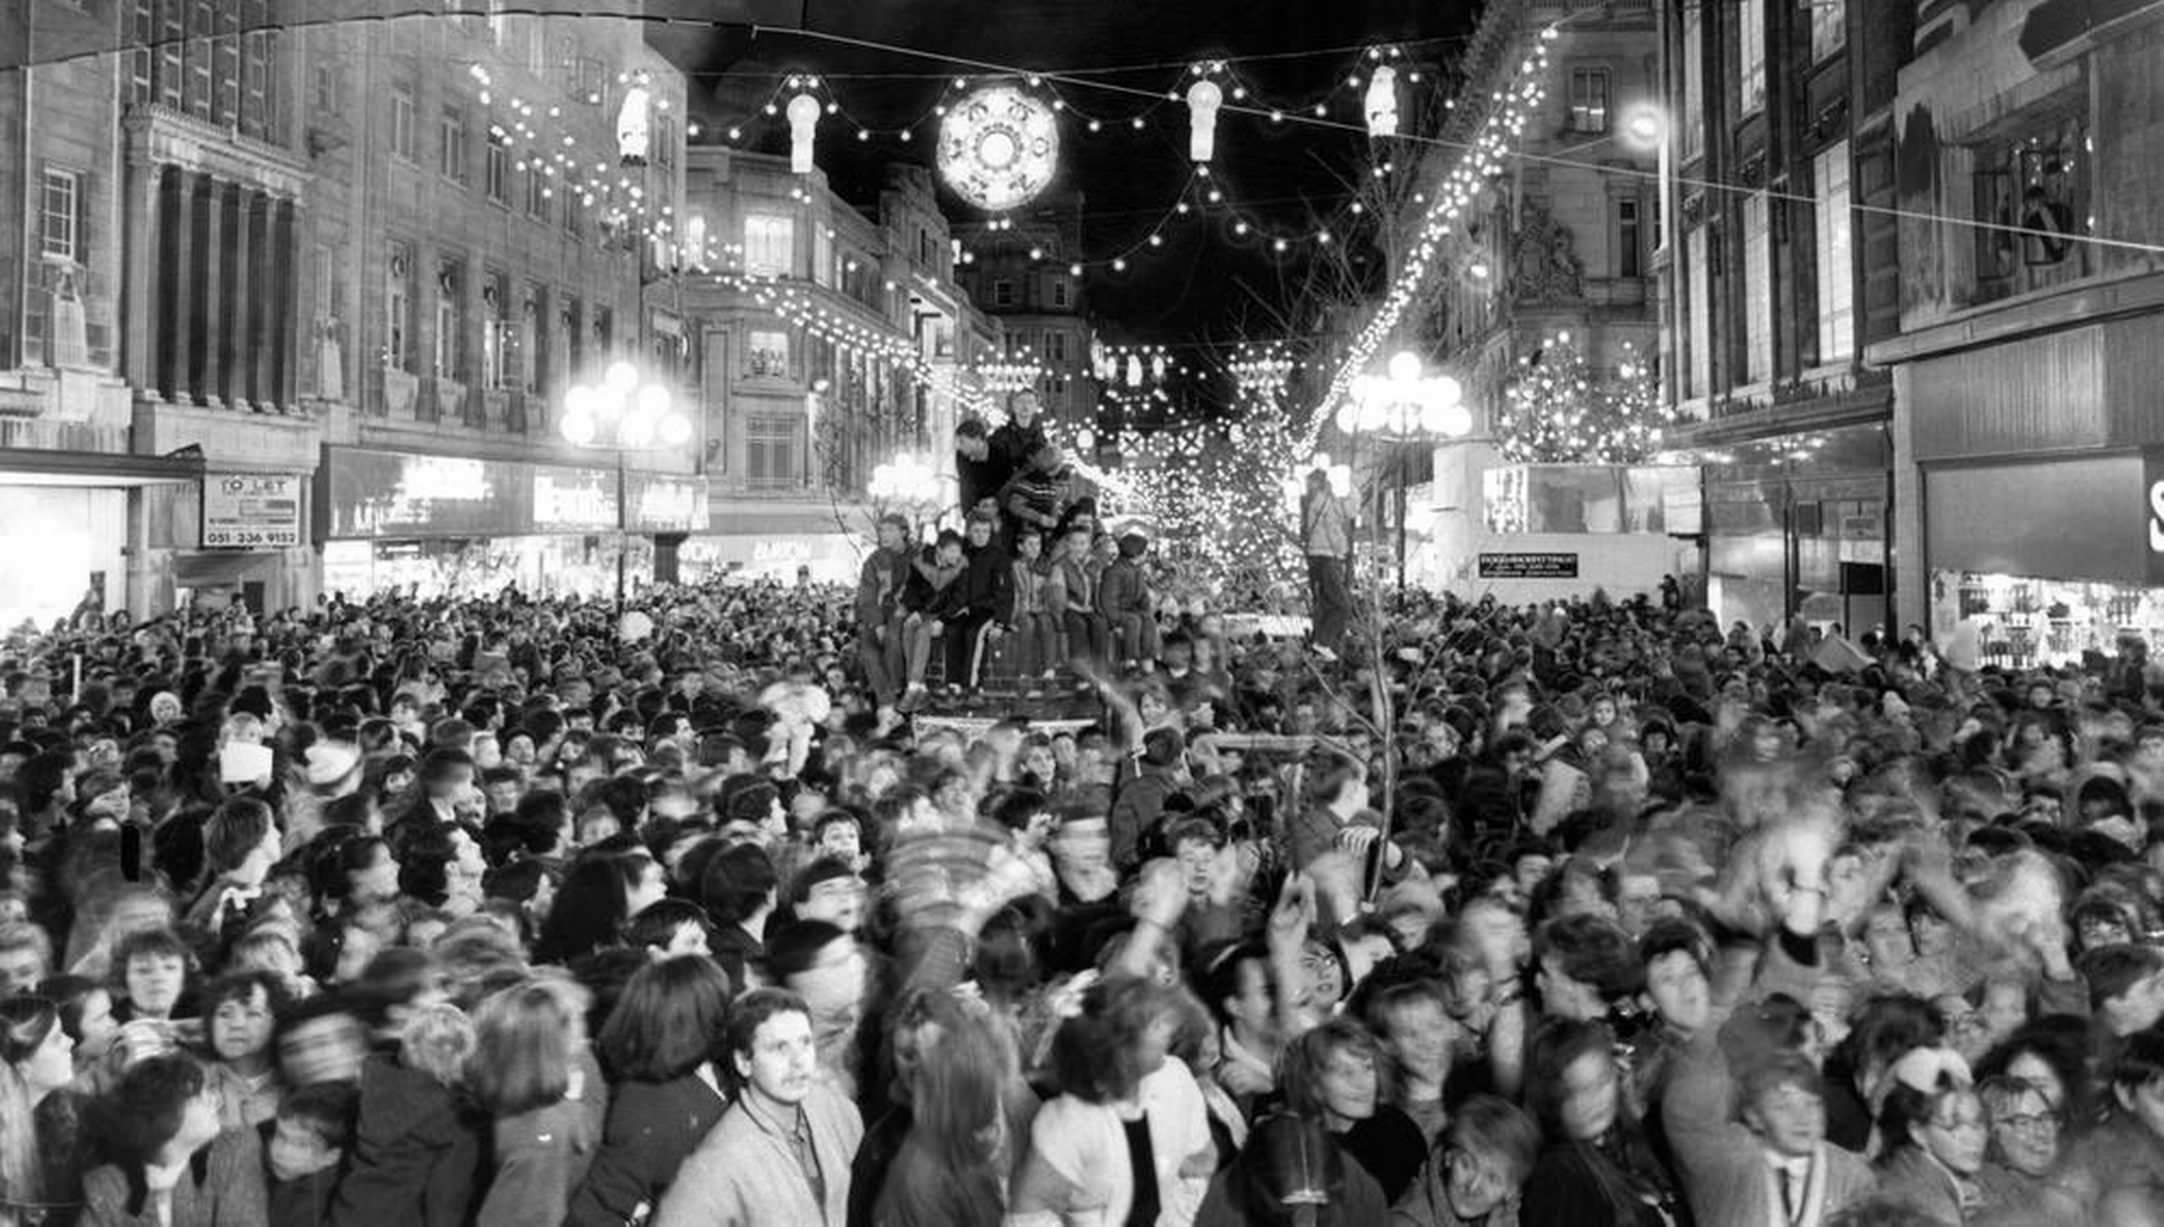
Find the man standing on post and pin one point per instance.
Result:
(879, 610)
(978, 473)
(1326, 539)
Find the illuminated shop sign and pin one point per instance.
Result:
(367, 494)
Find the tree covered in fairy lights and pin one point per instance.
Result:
(1558, 410)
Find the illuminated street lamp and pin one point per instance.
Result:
(623, 415)
(1402, 405)
(912, 485)
(1405, 403)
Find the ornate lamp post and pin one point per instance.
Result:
(1404, 405)
(623, 415)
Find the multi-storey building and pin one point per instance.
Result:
(487, 231)
(2027, 428)
(298, 284)
(1778, 266)
(1023, 274)
(829, 341)
(1558, 251)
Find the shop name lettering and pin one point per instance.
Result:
(573, 503)
(2156, 517)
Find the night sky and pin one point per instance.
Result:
(1204, 283)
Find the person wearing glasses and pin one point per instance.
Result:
(1933, 1130)
(2022, 1161)
(1476, 1172)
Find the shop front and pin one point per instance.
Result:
(436, 525)
(1796, 526)
(2005, 555)
(813, 542)
(64, 528)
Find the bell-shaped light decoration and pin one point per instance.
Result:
(1134, 371)
(804, 111)
(1204, 98)
(1382, 102)
(633, 132)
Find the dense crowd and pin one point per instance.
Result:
(511, 912)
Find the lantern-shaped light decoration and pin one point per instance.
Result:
(1204, 98)
(804, 113)
(1382, 102)
(632, 126)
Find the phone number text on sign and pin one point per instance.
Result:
(251, 511)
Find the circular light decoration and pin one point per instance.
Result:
(998, 148)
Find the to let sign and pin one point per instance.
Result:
(1529, 566)
(251, 511)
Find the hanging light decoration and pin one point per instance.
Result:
(1382, 102)
(633, 132)
(804, 112)
(1204, 98)
(999, 147)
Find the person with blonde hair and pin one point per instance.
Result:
(416, 1150)
(534, 1073)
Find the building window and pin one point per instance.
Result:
(664, 141)
(1836, 267)
(328, 96)
(402, 122)
(259, 54)
(202, 26)
(1693, 137)
(1829, 27)
(538, 192)
(770, 245)
(2033, 190)
(450, 322)
(1003, 293)
(60, 215)
(1589, 100)
(823, 255)
(767, 354)
(1701, 314)
(1055, 347)
(1757, 289)
(1629, 239)
(451, 151)
(770, 452)
(1062, 292)
(589, 82)
(1751, 32)
(172, 55)
(398, 309)
(497, 171)
(573, 225)
(497, 339)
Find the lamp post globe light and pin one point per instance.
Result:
(1402, 405)
(622, 414)
(911, 485)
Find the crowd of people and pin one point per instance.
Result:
(496, 911)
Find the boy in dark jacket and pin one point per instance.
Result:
(302, 1148)
(1123, 597)
(986, 595)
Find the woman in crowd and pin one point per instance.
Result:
(1334, 1074)
(1596, 1165)
(535, 1075)
(663, 1046)
(1128, 1136)
(37, 1064)
(1477, 1171)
